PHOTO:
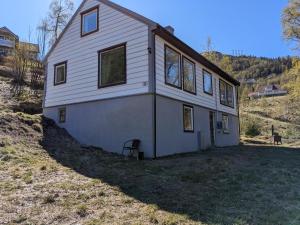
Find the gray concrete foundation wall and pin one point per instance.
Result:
(109, 123)
(172, 139)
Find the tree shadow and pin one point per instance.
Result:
(239, 185)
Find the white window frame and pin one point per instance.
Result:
(192, 118)
(87, 13)
(225, 123)
(56, 67)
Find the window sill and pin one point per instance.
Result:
(174, 86)
(111, 85)
(60, 83)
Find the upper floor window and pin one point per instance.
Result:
(60, 73)
(189, 76)
(112, 66)
(226, 94)
(89, 21)
(207, 83)
(172, 67)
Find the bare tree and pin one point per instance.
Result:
(58, 17)
(19, 65)
(43, 37)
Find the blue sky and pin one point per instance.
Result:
(250, 26)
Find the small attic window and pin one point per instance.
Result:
(90, 21)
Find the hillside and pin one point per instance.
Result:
(273, 111)
(49, 178)
(246, 67)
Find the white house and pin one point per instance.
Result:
(114, 75)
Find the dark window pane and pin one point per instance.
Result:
(230, 95)
(223, 93)
(189, 76)
(225, 123)
(90, 22)
(207, 83)
(188, 118)
(62, 115)
(113, 66)
(172, 67)
(226, 94)
(60, 74)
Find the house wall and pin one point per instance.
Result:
(172, 139)
(109, 123)
(203, 99)
(82, 56)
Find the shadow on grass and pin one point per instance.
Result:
(240, 185)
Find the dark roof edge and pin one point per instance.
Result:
(162, 32)
(6, 29)
(129, 13)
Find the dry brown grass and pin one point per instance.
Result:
(277, 111)
(48, 178)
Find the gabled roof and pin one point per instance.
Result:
(159, 30)
(8, 31)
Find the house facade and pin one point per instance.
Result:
(114, 75)
(10, 41)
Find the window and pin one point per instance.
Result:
(60, 73)
(172, 67)
(62, 115)
(188, 118)
(226, 94)
(112, 66)
(90, 21)
(189, 76)
(207, 83)
(225, 123)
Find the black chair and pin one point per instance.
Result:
(131, 146)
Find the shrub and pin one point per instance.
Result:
(49, 199)
(252, 128)
(82, 211)
(37, 127)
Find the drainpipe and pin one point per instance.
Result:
(217, 110)
(152, 78)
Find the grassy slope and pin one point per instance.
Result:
(277, 111)
(48, 178)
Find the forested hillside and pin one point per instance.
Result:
(245, 67)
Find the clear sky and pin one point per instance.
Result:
(250, 26)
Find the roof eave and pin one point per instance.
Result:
(166, 35)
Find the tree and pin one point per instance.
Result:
(19, 65)
(291, 22)
(50, 27)
(42, 37)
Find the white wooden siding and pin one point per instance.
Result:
(82, 56)
(201, 98)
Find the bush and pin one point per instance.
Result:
(252, 128)
(82, 211)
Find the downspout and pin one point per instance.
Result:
(152, 78)
(238, 111)
(217, 110)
